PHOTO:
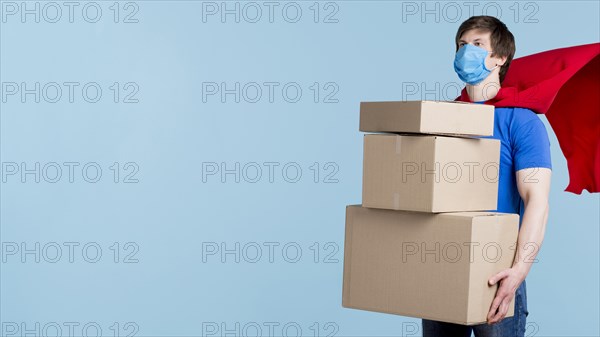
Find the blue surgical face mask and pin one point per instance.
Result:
(469, 64)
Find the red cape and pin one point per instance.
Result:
(563, 84)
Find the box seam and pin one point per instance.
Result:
(347, 257)
(433, 183)
(470, 269)
(364, 151)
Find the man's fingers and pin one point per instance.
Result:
(502, 311)
(495, 304)
(500, 296)
(494, 279)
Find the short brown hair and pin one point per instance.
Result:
(502, 40)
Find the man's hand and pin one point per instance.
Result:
(510, 279)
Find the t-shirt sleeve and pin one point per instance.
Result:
(531, 145)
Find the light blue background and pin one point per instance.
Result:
(369, 53)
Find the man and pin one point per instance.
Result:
(485, 48)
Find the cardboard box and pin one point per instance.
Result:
(455, 118)
(426, 265)
(430, 173)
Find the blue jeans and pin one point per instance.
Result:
(514, 326)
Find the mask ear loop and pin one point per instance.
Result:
(490, 52)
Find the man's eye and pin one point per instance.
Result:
(477, 44)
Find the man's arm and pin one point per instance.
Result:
(534, 187)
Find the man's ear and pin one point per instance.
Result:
(502, 61)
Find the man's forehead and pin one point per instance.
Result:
(475, 34)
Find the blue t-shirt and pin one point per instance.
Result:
(524, 143)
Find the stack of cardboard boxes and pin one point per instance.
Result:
(427, 239)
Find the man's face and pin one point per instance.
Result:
(481, 39)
